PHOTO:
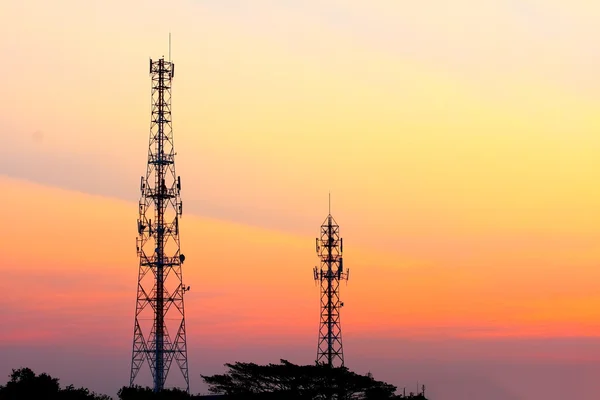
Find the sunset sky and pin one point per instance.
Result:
(460, 141)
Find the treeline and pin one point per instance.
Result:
(24, 384)
(241, 381)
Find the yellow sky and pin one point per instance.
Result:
(275, 105)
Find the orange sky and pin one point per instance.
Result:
(459, 140)
(481, 287)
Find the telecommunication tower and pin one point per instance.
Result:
(329, 247)
(160, 288)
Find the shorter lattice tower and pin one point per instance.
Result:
(329, 247)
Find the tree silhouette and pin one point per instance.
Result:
(247, 381)
(290, 381)
(146, 393)
(24, 384)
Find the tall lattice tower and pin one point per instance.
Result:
(329, 274)
(159, 312)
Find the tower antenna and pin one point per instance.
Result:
(169, 46)
(329, 248)
(159, 330)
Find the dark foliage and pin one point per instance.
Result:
(247, 381)
(146, 393)
(24, 384)
(290, 381)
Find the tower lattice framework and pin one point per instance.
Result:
(159, 329)
(329, 248)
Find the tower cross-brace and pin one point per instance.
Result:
(160, 288)
(329, 247)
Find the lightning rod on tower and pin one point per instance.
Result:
(159, 330)
(329, 247)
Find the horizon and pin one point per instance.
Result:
(459, 143)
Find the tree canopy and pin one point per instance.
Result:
(290, 381)
(241, 381)
(147, 393)
(24, 384)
